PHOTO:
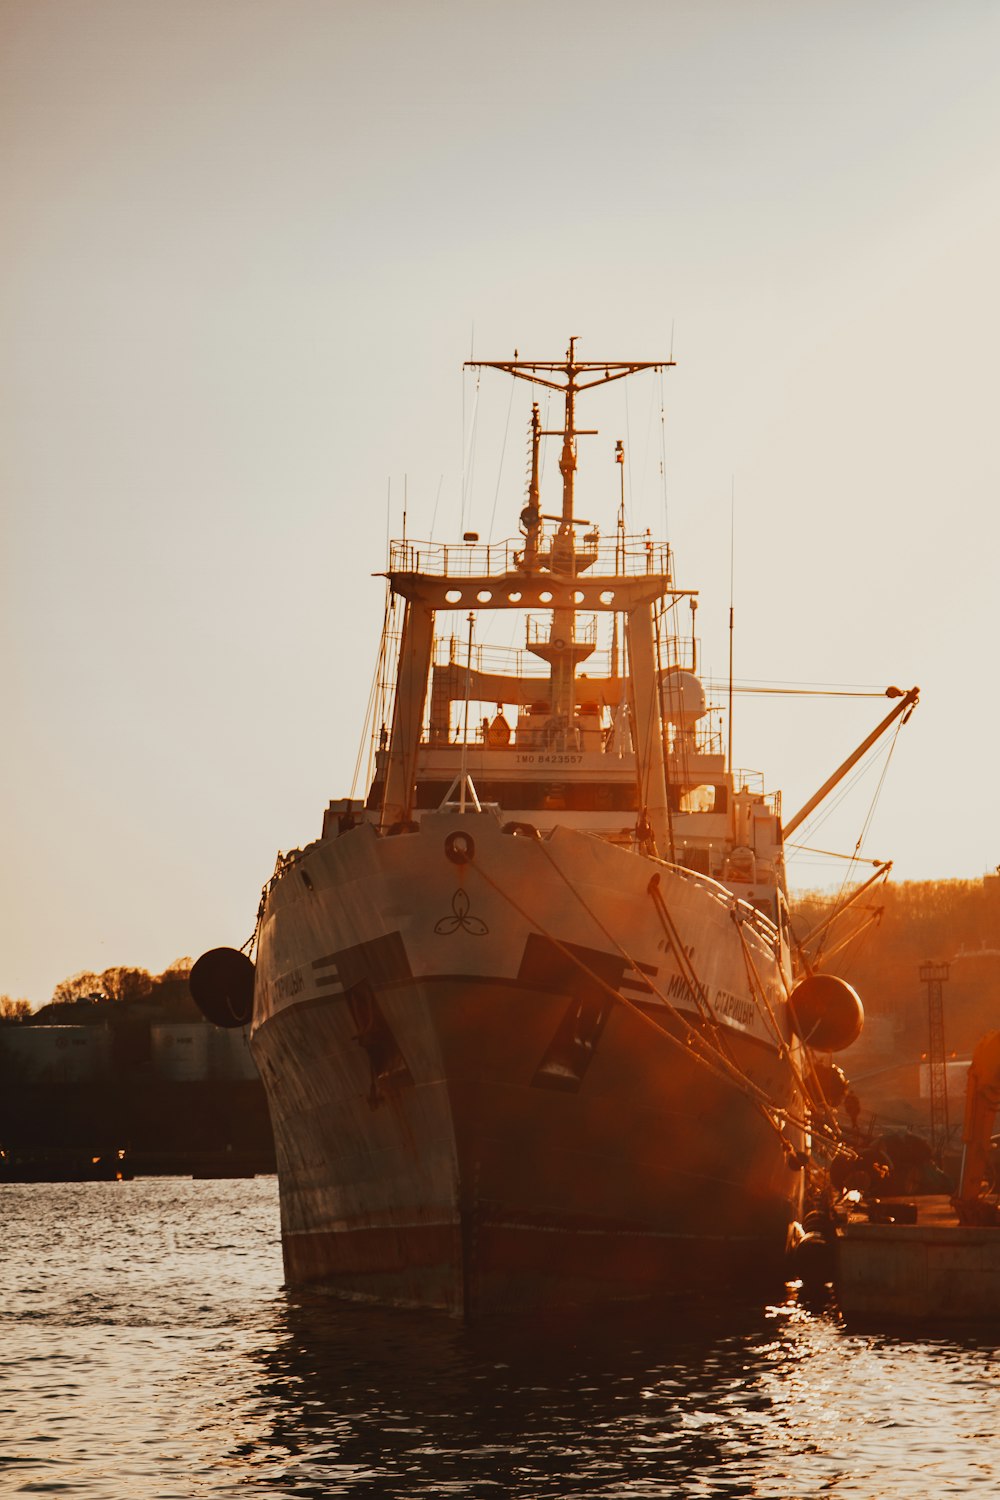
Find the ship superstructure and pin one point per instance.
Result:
(615, 739)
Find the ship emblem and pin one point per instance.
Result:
(460, 919)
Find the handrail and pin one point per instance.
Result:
(607, 557)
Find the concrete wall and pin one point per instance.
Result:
(57, 1054)
(180, 1051)
(193, 1051)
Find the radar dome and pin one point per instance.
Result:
(683, 698)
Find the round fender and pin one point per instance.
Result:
(221, 985)
(826, 1012)
(812, 1260)
(832, 1083)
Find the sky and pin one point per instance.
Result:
(247, 246)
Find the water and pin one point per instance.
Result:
(148, 1349)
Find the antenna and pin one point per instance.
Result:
(619, 558)
(663, 455)
(732, 552)
(437, 499)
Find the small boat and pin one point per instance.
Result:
(527, 1014)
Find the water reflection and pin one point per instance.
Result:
(729, 1402)
(148, 1348)
(563, 1406)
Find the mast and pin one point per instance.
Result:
(564, 558)
(531, 518)
(561, 654)
(567, 460)
(619, 553)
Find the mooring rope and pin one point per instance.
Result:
(831, 1136)
(718, 1043)
(693, 1044)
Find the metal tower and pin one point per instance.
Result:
(934, 976)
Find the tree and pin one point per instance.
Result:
(179, 969)
(125, 984)
(83, 986)
(14, 1010)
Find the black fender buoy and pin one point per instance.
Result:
(831, 1082)
(221, 985)
(826, 1012)
(812, 1260)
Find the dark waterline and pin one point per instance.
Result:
(149, 1349)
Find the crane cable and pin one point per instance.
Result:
(855, 857)
(503, 454)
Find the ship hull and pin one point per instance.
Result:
(529, 1134)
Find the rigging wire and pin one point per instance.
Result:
(818, 689)
(469, 455)
(830, 806)
(437, 498)
(866, 825)
(732, 1071)
(814, 1088)
(732, 616)
(793, 692)
(663, 448)
(503, 453)
(376, 693)
(862, 934)
(691, 1040)
(833, 854)
(878, 789)
(628, 450)
(648, 441)
(545, 423)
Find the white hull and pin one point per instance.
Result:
(478, 1054)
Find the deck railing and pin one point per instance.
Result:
(596, 556)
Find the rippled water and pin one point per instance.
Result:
(148, 1349)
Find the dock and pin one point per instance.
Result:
(931, 1269)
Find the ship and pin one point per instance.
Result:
(528, 1014)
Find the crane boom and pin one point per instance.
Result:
(906, 703)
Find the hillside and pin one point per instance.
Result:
(895, 929)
